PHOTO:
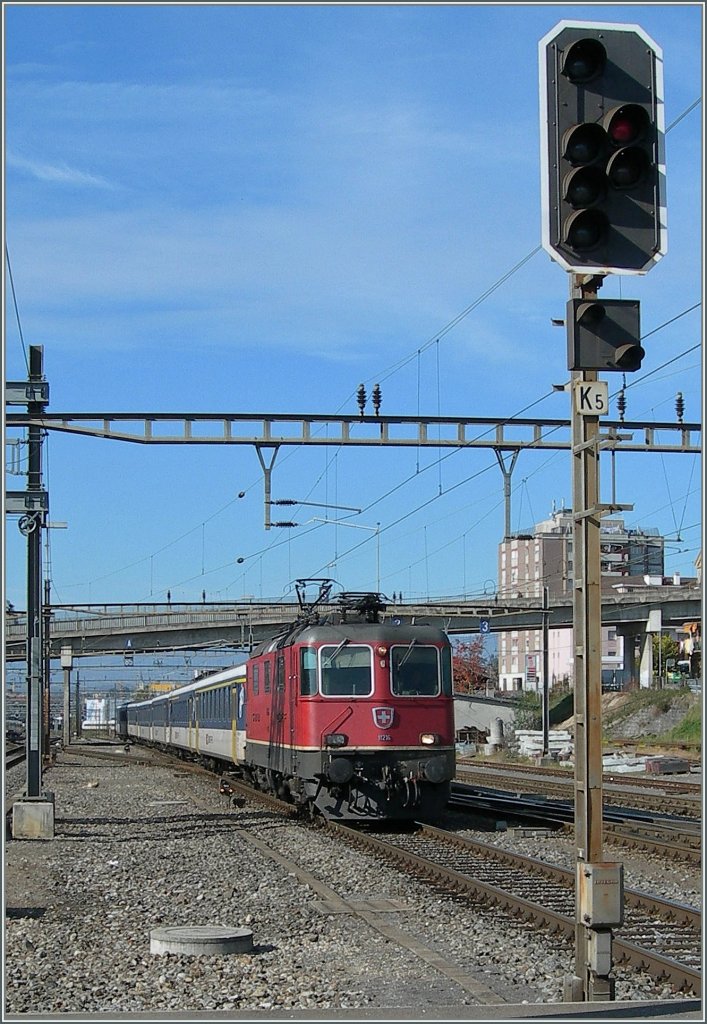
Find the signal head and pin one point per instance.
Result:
(584, 61)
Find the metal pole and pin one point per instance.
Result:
(77, 708)
(546, 672)
(67, 661)
(33, 524)
(66, 725)
(46, 689)
(506, 487)
(591, 981)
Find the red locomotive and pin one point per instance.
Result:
(350, 716)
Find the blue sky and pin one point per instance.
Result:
(255, 208)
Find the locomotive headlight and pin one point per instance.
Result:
(335, 739)
(429, 739)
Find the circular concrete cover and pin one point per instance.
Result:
(200, 940)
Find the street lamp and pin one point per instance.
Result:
(357, 526)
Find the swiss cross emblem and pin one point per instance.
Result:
(383, 717)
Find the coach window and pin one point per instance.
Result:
(307, 671)
(347, 671)
(415, 671)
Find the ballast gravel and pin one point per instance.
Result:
(143, 846)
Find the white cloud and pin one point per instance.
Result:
(60, 174)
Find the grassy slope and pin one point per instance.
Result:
(670, 716)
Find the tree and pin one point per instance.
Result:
(470, 668)
(664, 647)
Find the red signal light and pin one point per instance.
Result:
(627, 124)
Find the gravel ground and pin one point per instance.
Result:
(138, 848)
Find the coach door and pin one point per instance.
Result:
(194, 721)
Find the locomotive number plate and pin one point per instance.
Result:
(383, 737)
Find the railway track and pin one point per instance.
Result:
(516, 768)
(14, 755)
(658, 936)
(672, 837)
(667, 796)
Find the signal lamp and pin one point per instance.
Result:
(583, 144)
(584, 61)
(585, 187)
(604, 335)
(381, 651)
(627, 124)
(335, 739)
(586, 230)
(627, 168)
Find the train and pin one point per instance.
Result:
(344, 714)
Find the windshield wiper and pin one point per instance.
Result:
(408, 652)
(329, 660)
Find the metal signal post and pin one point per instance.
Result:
(603, 205)
(598, 885)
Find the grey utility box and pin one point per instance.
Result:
(601, 894)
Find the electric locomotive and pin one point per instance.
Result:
(353, 717)
(344, 714)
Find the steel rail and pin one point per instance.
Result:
(509, 769)
(15, 757)
(655, 836)
(688, 804)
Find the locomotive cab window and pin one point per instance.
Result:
(415, 671)
(346, 671)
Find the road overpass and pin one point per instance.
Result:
(147, 628)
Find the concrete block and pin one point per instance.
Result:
(667, 765)
(199, 940)
(33, 818)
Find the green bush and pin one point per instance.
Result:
(528, 713)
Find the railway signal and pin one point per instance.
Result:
(603, 335)
(602, 148)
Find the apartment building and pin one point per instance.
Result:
(543, 557)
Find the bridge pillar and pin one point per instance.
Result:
(646, 660)
(638, 647)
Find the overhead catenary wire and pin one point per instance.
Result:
(16, 308)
